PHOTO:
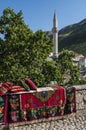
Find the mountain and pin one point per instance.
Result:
(73, 37)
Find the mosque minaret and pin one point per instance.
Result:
(55, 36)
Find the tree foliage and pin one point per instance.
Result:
(24, 53)
(69, 71)
(52, 72)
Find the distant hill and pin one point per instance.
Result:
(73, 37)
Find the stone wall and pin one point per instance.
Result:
(74, 121)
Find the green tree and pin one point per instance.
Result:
(40, 47)
(52, 72)
(69, 71)
(22, 52)
(14, 42)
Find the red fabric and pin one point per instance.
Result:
(31, 84)
(2, 91)
(5, 87)
(58, 98)
(16, 89)
(30, 101)
(54, 100)
(6, 110)
(75, 98)
(9, 84)
(62, 94)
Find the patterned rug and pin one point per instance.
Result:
(3, 109)
(42, 103)
(14, 108)
(70, 100)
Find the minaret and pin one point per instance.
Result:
(55, 36)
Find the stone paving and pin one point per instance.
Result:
(72, 122)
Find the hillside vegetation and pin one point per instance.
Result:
(73, 37)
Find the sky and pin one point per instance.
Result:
(38, 14)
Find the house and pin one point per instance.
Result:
(82, 64)
(80, 61)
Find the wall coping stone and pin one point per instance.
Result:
(80, 87)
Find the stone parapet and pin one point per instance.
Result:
(80, 87)
(81, 97)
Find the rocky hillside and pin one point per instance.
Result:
(73, 37)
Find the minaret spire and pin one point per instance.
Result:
(55, 20)
(55, 35)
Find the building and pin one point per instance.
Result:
(80, 61)
(82, 64)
